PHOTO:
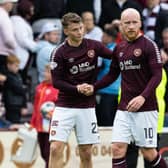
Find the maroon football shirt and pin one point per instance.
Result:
(141, 68)
(76, 65)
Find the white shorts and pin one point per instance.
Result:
(82, 120)
(140, 127)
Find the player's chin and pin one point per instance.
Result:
(132, 37)
(133, 34)
(79, 36)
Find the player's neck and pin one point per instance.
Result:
(73, 43)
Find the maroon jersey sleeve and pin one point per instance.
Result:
(103, 50)
(57, 69)
(111, 76)
(155, 66)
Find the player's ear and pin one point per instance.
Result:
(65, 31)
(140, 24)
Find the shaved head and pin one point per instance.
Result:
(130, 24)
(130, 11)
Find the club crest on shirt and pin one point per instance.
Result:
(137, 52)
(91, 53)
(53, 65)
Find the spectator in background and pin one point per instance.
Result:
(155, 20)
(2, 80)
(115, 23)
(97, 10)
(111, 9)
(164, 49)
(91, 30)
(107, 98)
(93, 6)
(24, 35)
(142, 3)
(79, 6)
(164, 1)
(45, 92)
(49, 39)
(164, 4)
(7, 38)
(47, 11)
(14, 95)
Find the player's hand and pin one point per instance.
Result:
(135, 104)
(82, 87)
(89, 90)
(85, 89)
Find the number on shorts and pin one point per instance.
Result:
(148, 133)
(94, 127)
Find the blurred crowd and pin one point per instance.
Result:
(31, 29)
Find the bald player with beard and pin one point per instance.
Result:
(138, 60)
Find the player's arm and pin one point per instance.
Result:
(155, 67)
(103, 51)
(57, 72)
(112, 75)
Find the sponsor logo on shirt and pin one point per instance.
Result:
(82, 67)
(128, 64)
